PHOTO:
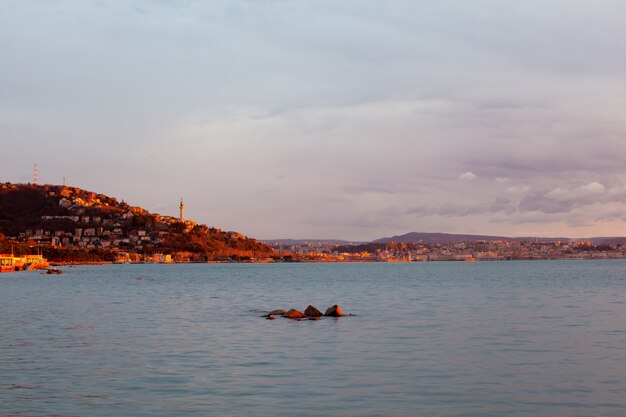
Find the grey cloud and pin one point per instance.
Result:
(561, 200)
(368, 110)
(499, 205)
(539, 201)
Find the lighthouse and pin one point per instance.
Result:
(182, 210)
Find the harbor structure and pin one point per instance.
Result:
(11, 263)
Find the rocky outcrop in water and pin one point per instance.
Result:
(295, 314)
(312, 312)
(277, 313)
(334, 311)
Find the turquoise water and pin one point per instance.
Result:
(428, 339)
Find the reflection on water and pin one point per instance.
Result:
(438, 339)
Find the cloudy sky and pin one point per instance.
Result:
(327, 118)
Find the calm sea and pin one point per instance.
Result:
(426, 339)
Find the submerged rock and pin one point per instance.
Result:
(312, 312)
(294, 314)
(334, 311)
(277, 313)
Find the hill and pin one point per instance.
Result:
(606, 240)
(447, 238)
(67, 220)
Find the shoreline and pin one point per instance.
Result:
(331, 262)
(53, 265)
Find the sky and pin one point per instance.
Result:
(326, 118)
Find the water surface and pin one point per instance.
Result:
(435, 339)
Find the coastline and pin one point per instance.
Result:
(53, 264)
(332, 262)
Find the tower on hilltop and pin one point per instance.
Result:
(182, 210)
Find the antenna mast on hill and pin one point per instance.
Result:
(36, 174)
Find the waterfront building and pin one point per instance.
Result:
(7, 263)
(10, 263)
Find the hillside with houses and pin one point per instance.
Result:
(70, 224)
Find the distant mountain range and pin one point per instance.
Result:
(446, 238)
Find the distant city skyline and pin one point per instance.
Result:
(346, 120)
